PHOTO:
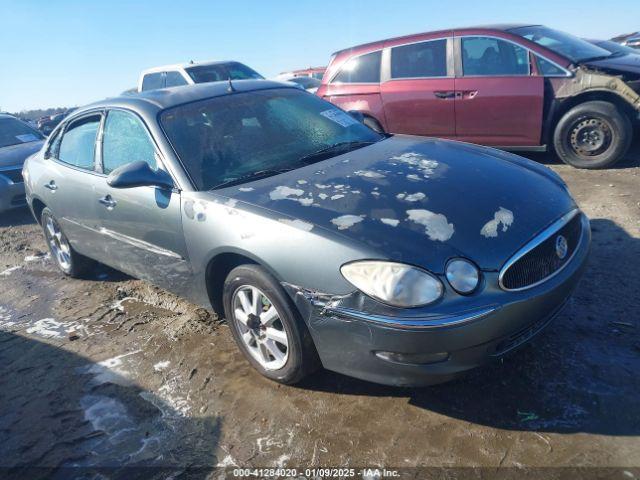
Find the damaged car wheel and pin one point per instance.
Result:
(592, 135)
(67, 259)
(266, 327)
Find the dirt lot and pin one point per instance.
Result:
(113, 372)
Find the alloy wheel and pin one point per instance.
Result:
(60, 248)
(261, 328)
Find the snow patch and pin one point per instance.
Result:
(502, 217)
(10, 270)
(246, 189)
(158, 367)
(299, 224)
(336, 197)
(436, 225)
(285, 193)
(368, 174)
(390, 221)
(346, 221)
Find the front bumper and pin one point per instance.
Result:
(347, 340)
(11, 194)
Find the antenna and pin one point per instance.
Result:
(231, 88)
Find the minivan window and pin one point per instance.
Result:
(125, 140)
(426, 59)
(78, 143)
(547, 68)
(174, 79)
(362, 69)
(486, 56)
(152, 81)
(236, 138)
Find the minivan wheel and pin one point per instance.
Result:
(593, 135)
(266, 325)
(67, 259)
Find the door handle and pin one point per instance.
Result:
(51, 186)
(470, 94)
(444, 94)
(108, 202)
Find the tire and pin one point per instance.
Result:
(300, 358)
(592, 135)
(70, 262)
(373, 124)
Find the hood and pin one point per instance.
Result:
(419, 200)
(15, 155)
(629, 63)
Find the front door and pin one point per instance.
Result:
(418, 95)
(498, 99)
(141, 226)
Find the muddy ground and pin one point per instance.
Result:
(112, 372)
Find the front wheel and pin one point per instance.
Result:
(592, 135)
(266, 326)
(67, 259)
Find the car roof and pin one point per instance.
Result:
(498, 26)
(152, 101)
(180, 66)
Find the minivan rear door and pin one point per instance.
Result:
(418, 87)
(499, 101)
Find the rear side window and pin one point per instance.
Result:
(362, 69)
(78, 143)
(152, 81)
(174, 79)
(485, 56)
(125, 140)
(427, 59)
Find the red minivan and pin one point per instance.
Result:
(518, 87)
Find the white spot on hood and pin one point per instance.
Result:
(301, 182)
(502, 217)
(411, 197)
(246, 189)
(345, 221)
(336, 197)
(369, 174)
(418, 161)
(307, 227)
(322, 196)
(284, 193)
(390, 221)
(322, 186)
(436, 225)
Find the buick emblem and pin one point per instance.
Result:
(561, 247)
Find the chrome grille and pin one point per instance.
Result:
(539, 260)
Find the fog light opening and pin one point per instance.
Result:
(413, 358)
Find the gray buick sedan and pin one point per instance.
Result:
(396, 259)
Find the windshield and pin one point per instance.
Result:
(574, 48)
(222, 71)
(241, 136)
(15, 132)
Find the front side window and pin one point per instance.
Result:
(419, 60)
(152, 81)
(222, 72)
(236, 138)
(174, 79)
(548, 69)
(125, 140)
(15, 132)
(77, 146)
(485, 56)
(362, 69)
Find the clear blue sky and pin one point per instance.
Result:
(71, 52)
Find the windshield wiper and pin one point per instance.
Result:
(341, 147)
(251, 176)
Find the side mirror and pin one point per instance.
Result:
(139, 174)
(357, 115)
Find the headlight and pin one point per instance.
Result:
(392, 283)
(462, 275)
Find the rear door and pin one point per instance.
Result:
(418, 88)
(141, 226)
(499, 101)
(356, 86)
(69, 182)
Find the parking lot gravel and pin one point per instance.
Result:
(110, 371)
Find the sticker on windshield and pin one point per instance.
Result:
(341, 118)
(27, 137)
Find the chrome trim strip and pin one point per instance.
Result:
(545, 235)
(438, 321)
(134, 242)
